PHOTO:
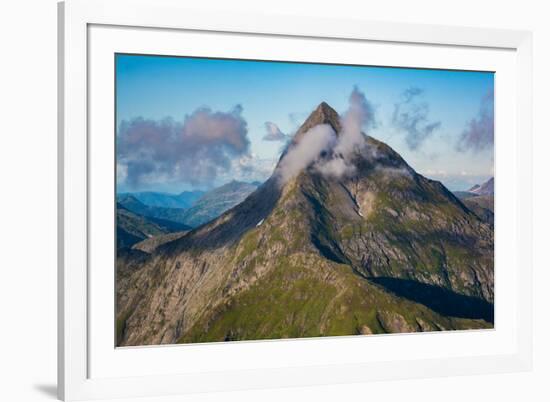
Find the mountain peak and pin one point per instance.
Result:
(487, 188)
(325, 108)
(323, 114)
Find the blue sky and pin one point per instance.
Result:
(154, 88)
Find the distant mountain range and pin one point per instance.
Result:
(487, 188)
(165, 200)
(131, 203)
(201, 206)
(146, 216)
(381, 250)
(217, 201)
(480, 199)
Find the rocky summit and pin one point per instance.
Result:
(377, 249)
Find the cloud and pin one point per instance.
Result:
(121, 172)
(249, 168)
(394, 172)
(435, 173)
(336, 167)
(359, 116)
(411, 116)
(273, 133)
(409, 93)
(479, 133)
(194, 151)
(303, 153)
(337, 150)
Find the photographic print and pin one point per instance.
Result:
(269, 200)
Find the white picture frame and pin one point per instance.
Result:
(77, 380)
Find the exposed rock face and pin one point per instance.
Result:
(381, 250)
(394, 322)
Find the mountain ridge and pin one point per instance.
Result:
(486, 188)
(133, 228)
(213, 203)
(480, 200)
(131, 203)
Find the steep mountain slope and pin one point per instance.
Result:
(482, 206)
(380, 250)
(184, 199)
(483, 201)
(217, 201)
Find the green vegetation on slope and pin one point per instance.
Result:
(304, 296)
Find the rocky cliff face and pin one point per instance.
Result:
(378, 250)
